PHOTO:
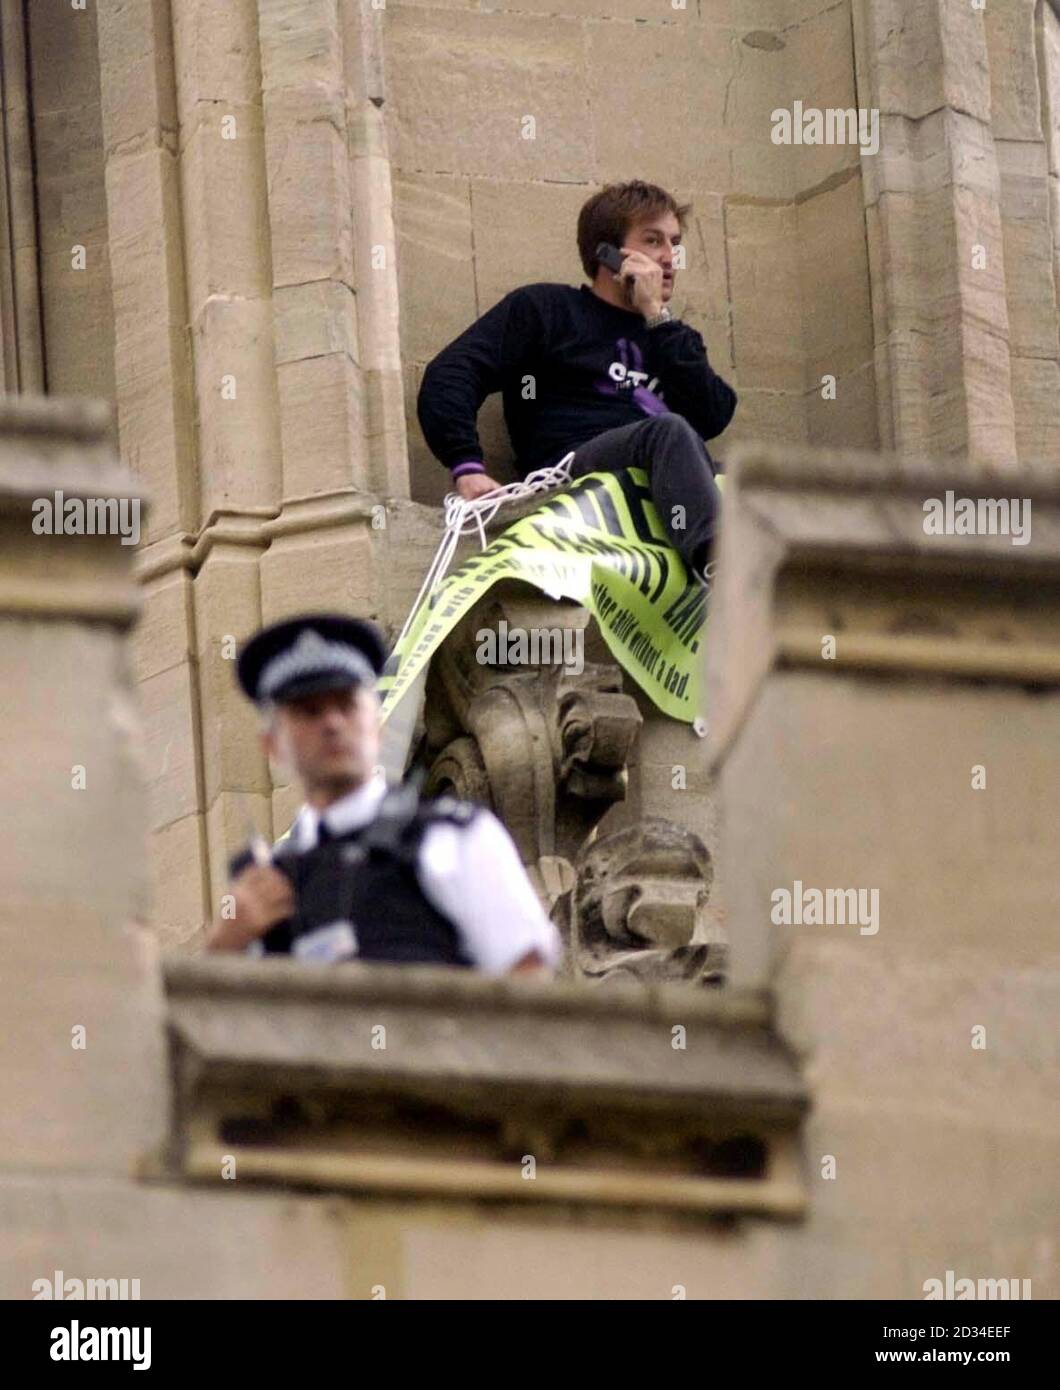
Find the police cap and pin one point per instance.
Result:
(303, 656)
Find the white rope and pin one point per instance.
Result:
(463, 516)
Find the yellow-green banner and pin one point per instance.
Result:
(600, 542)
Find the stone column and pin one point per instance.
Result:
(936, 238)
(375, 248)
(885, 717)
(81, 1038)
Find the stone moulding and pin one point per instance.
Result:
(62, 444)
(422, 1081)
(833, 543)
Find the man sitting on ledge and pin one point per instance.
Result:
(368, 873)
(605, 370)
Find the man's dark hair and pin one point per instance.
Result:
(609, 214)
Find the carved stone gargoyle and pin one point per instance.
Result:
(545, 747)
(638, 908)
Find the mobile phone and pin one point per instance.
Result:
(610, 256)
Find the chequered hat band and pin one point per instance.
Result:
(313, 655)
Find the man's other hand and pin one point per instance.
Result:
(533, 964)
(263, 896)
(473, 485)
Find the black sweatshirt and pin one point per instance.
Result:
(570, 366)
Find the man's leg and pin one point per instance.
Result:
(680, 472)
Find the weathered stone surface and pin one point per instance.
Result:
(72, 887)
(501, 213)
(238, 410)
(852, 419)
(180, 885)
(321, 415)
(835, 295)
(64, 72)
(170, 713)
(165, 637)
(1036, 402)
(178, 1244)
(216, 56)
(928, 56)
(1015, 97)
(695, 66)
(702, 294)
(938, 266)
(309, 197)
(227, 611)
(1030, 273)
(153, 369)
(764, 275)
(314, 320)
(68, 187)
(1048, 35)
(818, 70)
(225, 203)
(771, 416)
(495, 70)
(325, 566)
(386, 464)
(136, 87)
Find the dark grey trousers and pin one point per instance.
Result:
(680, 471)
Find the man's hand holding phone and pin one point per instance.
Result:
(641, 277)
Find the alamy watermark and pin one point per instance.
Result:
(535, 646)
(59, 515)
(77, 1343)
(958, 1289)
(798, 906)
(59, 1287)
(836, 125)
(979, 516)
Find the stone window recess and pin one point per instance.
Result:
(416, 1081)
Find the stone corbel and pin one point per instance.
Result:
(639, 908)
(546, 748)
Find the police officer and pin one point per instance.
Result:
(368, 872)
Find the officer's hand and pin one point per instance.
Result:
(262, 897)
(473, 485)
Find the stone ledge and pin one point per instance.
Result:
(781, 466)
(816, 543)
(84, 419)
(58, 451)
(280, 1066)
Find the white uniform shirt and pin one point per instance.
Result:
(471, 873)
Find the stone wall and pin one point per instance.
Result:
(287, 207)
(920, 761)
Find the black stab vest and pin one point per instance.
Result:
(367, 877)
